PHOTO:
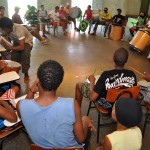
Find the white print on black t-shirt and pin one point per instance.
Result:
(119, 81)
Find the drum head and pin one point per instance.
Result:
(74, 12)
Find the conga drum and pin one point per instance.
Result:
(140, 40)
(12, 65)
(116, 32)
(75, 12)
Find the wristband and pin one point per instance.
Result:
(32, 91)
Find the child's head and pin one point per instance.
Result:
(89, 7)
(50, 74)
(127, 112)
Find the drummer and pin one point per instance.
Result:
(141, 20)
(42, 13)
(148, 29)
(88, 14)
(22, 43)
(117, 20)
(105, 20)
(67, 10)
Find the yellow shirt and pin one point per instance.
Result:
(106, 16)
(130, 139)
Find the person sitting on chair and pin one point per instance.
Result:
(117, 20)
(7, 112)
(46, 118)
(55, 16)
(116, 78)
(105, 20)
(141, 20)
(128, 114)
(88, 14)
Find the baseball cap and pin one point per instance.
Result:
(17, 8)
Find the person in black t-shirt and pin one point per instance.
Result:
(115, 78)
(118, 20)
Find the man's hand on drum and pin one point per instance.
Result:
(147, 76)
(3, 43)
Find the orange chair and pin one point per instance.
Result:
(35, 147)
(112, 96)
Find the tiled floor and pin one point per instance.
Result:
(80, 54)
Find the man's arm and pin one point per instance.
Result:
(93, 94)
(20, 47)
(82, 124)
(7, 112)
(107, 144)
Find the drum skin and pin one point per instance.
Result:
(75, 12)
(116, 32)
(140, 40)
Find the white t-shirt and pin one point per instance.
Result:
(148, 23)
(54, 15)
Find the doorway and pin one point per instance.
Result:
(81, 4)
(22, 5)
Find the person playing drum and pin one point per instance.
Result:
(67, 10)
(105, 20)
(88, 14)
(141, 20)
(117, 20)
(22, 43)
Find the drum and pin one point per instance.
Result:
(116, 32)
(95, 15)
(140, 40)
(83, 25)
(75, 12)
(11, 66)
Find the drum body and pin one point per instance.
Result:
(75, 12)
(116, 32)
(11, 66)
(140, 40)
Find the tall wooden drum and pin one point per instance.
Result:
(116, 32)
(140, 40)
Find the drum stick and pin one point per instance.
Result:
(94, 71)
(137, 71)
